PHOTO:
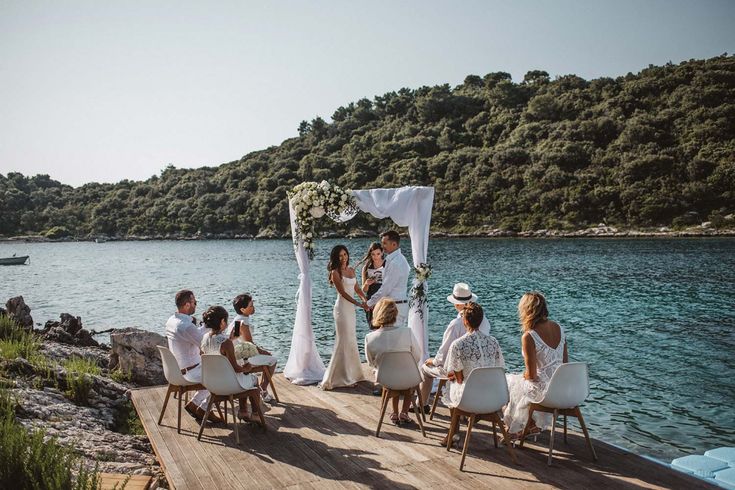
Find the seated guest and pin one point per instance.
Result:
(434, 366)
(389, 338)
(473, 350)
(244, 308)
(216, 341)
(184, 339)
(544, 348)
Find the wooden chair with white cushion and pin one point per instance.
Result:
(177, 384)
(220, 379)
(398, 374)
(568, 388)
(484, 396)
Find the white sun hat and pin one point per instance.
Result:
(461, 294)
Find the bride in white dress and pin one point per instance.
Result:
(344, 367)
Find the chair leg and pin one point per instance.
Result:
(551, 437)
(565, 429)
(261, 414)
(416, 409)
(466, 441)
(382, 410)
(436, 398)
(586, 434)
(495, 437)
(219, 411)
(506, 436)
(454, 423)
(206, 416)
(165, 403)
(178, 415)
(528, 426)
(421, 402)
(267, 374)
(235, 424)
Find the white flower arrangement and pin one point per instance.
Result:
(422, 273)
(311, 201)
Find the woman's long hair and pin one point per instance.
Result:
(213, 317)
(367, 259)
(334, 263)
(532, 310)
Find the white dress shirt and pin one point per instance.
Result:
(395, 279)
(184, 339)
(391, 339)
(455, 330)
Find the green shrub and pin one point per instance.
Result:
(128, 422)
(57, 232)
(27, 460)
(120, 376)
(16, 341)
(79, 372)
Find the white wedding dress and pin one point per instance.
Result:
(523, 391)
(344, 367)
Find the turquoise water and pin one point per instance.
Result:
(654, 318)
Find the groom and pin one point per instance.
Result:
(395, 276)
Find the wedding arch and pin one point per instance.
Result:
(406, 206)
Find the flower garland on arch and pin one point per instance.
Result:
(311, 201)
(418, 292)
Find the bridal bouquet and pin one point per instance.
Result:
(312, 201)
(244, 350)
(422, 272)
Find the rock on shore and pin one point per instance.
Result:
(97, 427)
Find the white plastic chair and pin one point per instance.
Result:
(176, 382)
(398, 374)
(484, 396)
(219, 378)
(568, 388)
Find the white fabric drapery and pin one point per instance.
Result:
(406, 206)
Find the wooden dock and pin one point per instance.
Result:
(318, 439)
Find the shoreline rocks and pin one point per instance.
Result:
(97, 423)
(600, 231)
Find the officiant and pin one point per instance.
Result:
(395, 276)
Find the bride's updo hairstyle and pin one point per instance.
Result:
(532, 310)
(385, 313)
(213, 317)
(473, 315)
(333, 263)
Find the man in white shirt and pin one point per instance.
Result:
(395, 277)
(434, 367)
(184, 342)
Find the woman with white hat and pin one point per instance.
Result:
(434, 366)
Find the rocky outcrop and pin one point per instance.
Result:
(134, 351)
(68, 331)
(18, 310)
(97, 428)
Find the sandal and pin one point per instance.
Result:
(403, 417)
(394, 418)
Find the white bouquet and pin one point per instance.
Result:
(244, 349)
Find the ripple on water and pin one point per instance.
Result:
(654, 318)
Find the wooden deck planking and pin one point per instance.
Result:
(109, 481)
(327, 440)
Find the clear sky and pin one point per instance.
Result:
(103, 91)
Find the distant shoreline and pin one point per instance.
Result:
(594, 232)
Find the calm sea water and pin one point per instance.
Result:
(654, 318)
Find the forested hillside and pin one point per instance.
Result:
(655, 148)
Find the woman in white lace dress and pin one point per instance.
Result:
(544, 348)
(216, 341)
(472, 350)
